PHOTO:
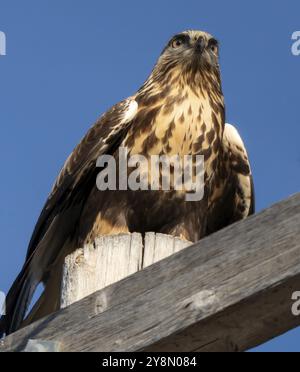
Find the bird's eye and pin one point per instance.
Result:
(214, 46)
(177, 43)
(214, 49)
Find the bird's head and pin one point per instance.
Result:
(191, 53)
(192, 48)
(190, 58)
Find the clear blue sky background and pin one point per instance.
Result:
(68, 61)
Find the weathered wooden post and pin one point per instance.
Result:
(111, 259)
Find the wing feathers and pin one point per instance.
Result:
(241, 170)
(99, 139)
(64, 206)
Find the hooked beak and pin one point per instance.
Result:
(200, 45)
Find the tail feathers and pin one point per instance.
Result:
(17, 303)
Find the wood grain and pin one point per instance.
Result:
(111, 259)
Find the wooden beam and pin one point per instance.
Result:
(230, 292)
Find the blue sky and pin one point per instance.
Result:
(68, 61)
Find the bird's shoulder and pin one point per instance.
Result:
(240, 169)
(235, 150)
(98, 139)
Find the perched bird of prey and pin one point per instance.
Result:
(178, 111)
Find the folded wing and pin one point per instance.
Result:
(58, 220)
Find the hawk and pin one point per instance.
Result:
(178, 111)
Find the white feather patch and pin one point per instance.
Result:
(130, 112)
(233, 137)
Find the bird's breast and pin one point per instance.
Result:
(183, 123)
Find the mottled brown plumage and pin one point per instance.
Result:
(178, 111)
